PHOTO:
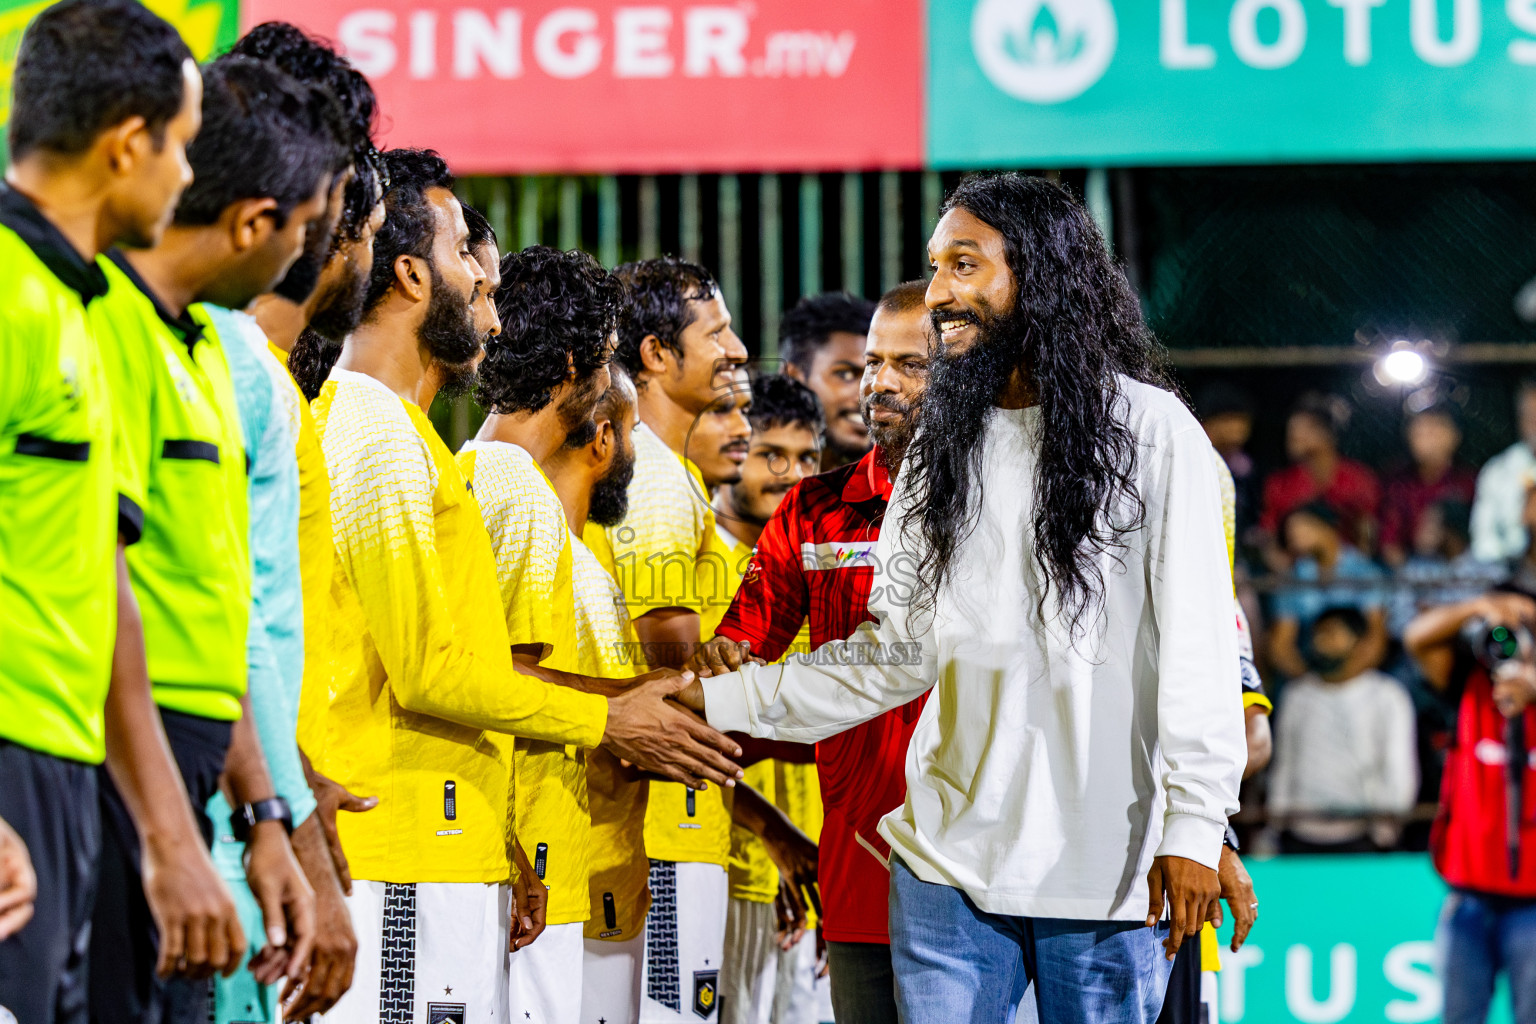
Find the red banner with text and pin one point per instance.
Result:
(608, 87)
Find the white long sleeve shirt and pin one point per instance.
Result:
(1046, 773)
(1498, 510)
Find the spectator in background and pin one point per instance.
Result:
(822, 339)
(1344, 745)
(1522, 572)
(1331, 573)
(1226, 413)
(1434, 476)
(1498, 521)
(1440, 568)
(1318, 473)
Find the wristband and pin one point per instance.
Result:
(248, 816)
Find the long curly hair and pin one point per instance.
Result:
(1075, 328)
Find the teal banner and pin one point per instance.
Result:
(1339, 940)
(1123, 82)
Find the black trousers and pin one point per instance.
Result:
(51, 803)
(1182, 1004)
(124, 943)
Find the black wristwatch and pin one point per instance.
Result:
(1230, 840)
(247, 816)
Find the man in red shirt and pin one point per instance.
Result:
(814, 561)
(1318, 472)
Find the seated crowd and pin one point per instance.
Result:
(1335, 560)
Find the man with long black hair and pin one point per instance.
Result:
(1072, 610)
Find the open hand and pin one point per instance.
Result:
(658, 736)
(1193, 895)
(286, 900)
(1237, 890)
(331, 797)
(199, 927)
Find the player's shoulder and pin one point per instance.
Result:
(359, 416)
(1153, 408)
(663, 495)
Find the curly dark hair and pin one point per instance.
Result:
(781, 401)
(315, 62)
(1076, 327)
(558, 310)
(807, 325)
(408, 221)
(480, 230)
(661, 292)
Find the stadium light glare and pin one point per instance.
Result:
(1402, 366)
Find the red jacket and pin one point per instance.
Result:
(1468, 839)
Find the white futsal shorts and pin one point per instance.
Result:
(751, 963)
(684, 943)
(544, 980)
(612, 973)
(427, 953)
(799, 996)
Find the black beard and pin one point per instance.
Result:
(893, 438)
(299, 283)
(448, 329)
(340, 309)
(609, 503)
(459, 379)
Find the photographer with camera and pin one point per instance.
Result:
(1484, 837)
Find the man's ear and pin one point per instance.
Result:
(655, 358)
(793, 372)
(411, 276)
(600, 451)
(126, 144)
(251, 223)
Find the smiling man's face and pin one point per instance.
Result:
(972, 282)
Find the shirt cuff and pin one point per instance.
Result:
(1192, 837)
(725, 702)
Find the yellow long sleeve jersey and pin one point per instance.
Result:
(618, 889)
(532, 542)
(663, 555)
(423, 684)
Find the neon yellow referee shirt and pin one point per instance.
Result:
(180, 461)
(58, 508)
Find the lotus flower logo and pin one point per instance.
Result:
(1044, 51)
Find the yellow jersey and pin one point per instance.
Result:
(532, 542)
(606, 645)
(424, 684)
(317, 571)
(658, 553)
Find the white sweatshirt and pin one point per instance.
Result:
(1045, 774)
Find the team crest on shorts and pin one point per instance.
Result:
(706, 992)
(446, 1013)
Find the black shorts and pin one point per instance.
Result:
(1182, 1004)
(51, 803)
(124, 944)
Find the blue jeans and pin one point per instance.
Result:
(1480, 936)
(957, 964)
